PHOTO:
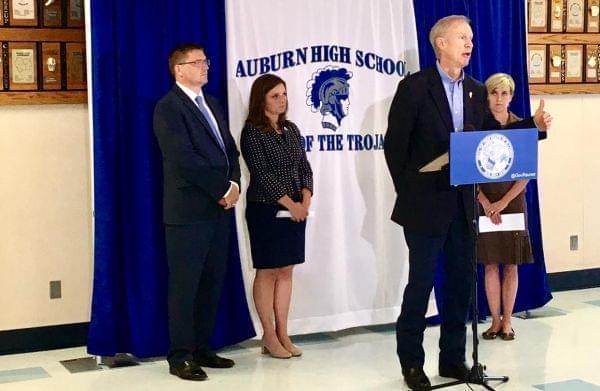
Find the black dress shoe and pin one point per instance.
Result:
(458, 371)
(416, 379)
(188, 370)
(213, 361)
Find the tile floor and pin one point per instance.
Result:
(556, 349)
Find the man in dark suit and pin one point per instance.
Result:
(427, 107)
(201, 185)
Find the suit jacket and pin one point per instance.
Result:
(196, 169)
(419, 127)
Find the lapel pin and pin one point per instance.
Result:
(470, 94)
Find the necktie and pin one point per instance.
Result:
(210, 119)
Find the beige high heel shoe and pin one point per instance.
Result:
(295, 351)
(265, 350)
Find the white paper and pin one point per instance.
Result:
(510, 222)
(285, 214)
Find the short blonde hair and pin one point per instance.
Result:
(440, 27)
(500, 80)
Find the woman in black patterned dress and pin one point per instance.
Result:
(280, 181)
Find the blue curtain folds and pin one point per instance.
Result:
(499, 29)
(130, 45)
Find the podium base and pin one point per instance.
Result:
(477, 376)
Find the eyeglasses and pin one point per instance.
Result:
(197, 63)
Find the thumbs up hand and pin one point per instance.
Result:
(542, 119)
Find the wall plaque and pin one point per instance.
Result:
(22, 12)
(573, 63)
(75, 62)
(75, 13)
(555, 64)
(51, 66)
(591, 63)
(1, 66)
(22, 66)
(52, 13)
(575, 16)
(537, 16)
(593, 16)
(557, 12)
(536, 63)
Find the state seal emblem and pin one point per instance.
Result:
(494, 156)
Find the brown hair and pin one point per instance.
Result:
(179, 54)
(258, 93)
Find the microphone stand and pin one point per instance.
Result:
(477, 374)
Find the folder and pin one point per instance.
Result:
(436, 164)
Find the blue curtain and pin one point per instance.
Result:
(499, 29)
(130, 45)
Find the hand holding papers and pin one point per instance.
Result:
(510, 222)
(285, 214)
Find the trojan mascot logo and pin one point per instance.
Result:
(329, 94)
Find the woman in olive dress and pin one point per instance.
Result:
(507, 248)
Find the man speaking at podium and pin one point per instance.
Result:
(427, 107)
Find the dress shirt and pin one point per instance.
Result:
(454, 94)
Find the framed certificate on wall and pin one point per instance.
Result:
(536, 63)
(22, 66)
(575, 16)
(23, 12)
(573, 63)
(537, 22)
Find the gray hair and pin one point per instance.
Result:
(440, 27)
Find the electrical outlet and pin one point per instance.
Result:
(574, 242)
(55, 289)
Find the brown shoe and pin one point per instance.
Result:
(489, 334)
(507, 336)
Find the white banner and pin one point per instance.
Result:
(342, 61)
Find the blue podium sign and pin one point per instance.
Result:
(493, 156)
